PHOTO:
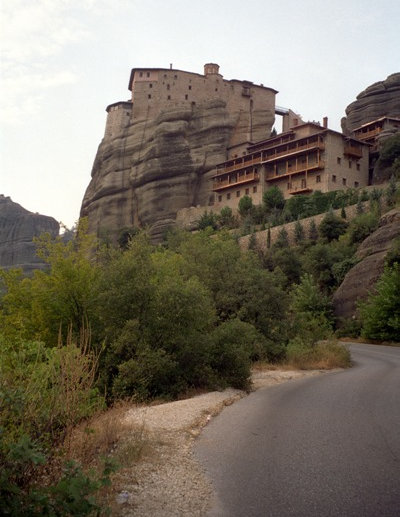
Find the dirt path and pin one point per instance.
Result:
(167, 481)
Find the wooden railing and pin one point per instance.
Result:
(293, 151)
(220, 185)
(311, 167)
(351, 150)
(368, 134)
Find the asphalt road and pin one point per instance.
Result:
(316, 447)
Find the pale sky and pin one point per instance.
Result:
(64, 61)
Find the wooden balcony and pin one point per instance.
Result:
(351, 150)
(300, 190)
(240, 163)
(366, 135)
(311, 167)
(288, 153)
(248, 178)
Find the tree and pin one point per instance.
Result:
(273, 199)
(208, 219)
(269, 237)
(245, 206)
(391, 191)
(298, 232)
(380, 314)
(282, 240)
(313, 231)
(225, 218)
(332, 227)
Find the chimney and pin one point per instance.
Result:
(325, 122)
(170, 66)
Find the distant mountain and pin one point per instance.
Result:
(18, 227)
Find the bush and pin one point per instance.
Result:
(380, 314)
(332, 227)
(324, 355)
(362, 226)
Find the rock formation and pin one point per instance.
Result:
(360, 280)
(18, 227)
(381, 99)
(150, 164)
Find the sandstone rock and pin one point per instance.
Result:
(155, 167)
(378, 100)
(18, 227)
(360, 280)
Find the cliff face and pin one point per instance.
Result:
(361, 279)
(154, 167)
(18, 227)
(378, 100)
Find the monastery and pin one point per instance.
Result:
(187, 142)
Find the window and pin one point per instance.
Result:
(318, 179)
(358, 166)
(169, 97)
(247, 191)
(149, 96)
(255, 189)
(356, 184)
(148, 74)
(150, 85)
(168, 86)
(333, 178)
(190, 86)
(350, 163)
(186, 97)
(140, 74)
(338, 160)
(238, 193)
(219, 198)
(228, 196)
(175, 76)
(216, 89)
(344, 181)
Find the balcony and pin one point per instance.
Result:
(366, 135)
(300, 190)
(311, 167)
(351, 150)
(289, 152)
(240, 163)
(221, 185)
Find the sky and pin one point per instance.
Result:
(64, 61)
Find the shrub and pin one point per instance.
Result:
(362, 226)
(332, 227)
(245, 206)
(380, 314)
(324, 355)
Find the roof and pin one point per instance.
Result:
(393, 119)
(127, 104)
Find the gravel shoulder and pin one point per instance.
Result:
(167, 481)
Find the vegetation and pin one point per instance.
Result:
(140, 322)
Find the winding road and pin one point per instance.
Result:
(325, 446)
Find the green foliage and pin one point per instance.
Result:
(313, 231)
(208, 219)
(325, 354)
(308, 299)
(362, 226)
(282, 240)
(380, 314)
(126, 235)
(391, 192)
(390, 150)
(393, 255)
(63, 297)
(245, 206)
(73, 494)
(299, 235)
(332, 227)
(273, 199)
(226, 218)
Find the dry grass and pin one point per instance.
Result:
(325, 355)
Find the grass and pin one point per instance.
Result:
(324, 355)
